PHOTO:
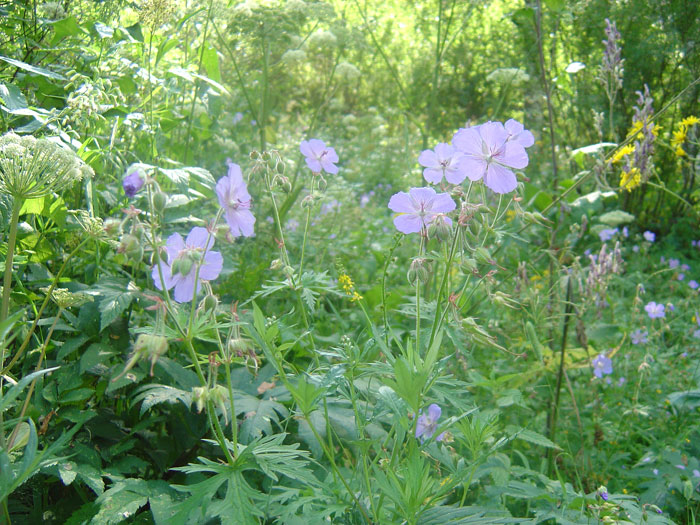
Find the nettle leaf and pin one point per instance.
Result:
(123, 499)
(12, 97)
(115, 299)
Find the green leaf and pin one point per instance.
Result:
(32, 69)
(104, 31)
(12, 97)
(121, 501)
(535, 438)
(96, 354)
(68, 471)
(66, 27)
(71, 346)
(116, 298)
(210, 61)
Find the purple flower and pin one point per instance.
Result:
(444, 161)
(655, 311)
(649, 236)
(696, 473)
(681, 276)
(625, 232)
(685, 267)
(693, 284)
(184, 257)
(237, 117)
(635, 248)
(602, 365)
(132, 183)
(603, 493)
(518, 133)
(639, 336)
(607, 234)
(418, 208)
(427, 423)
(292, 225)
(235, 200)
(673, 263)
(319, 157)
(621, 381)
(489, 154)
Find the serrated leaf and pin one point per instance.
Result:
(96, 354)
(71, 346)
(67, 471)
(121, 501)
(116, 298)
(151, 395)
(259, 420)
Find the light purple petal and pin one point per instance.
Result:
(211, 267)
(167, 276)
(443, 203)
(468, 141)
(500, 179)
(433, 175)
(434, 412)
(305, 149)
(314, 165)
(328, 165)
(514, 156)
(428, 159)
(198, 238)
(401, 203)
(331, 155)
(240, 222)
(421, 425)
(234, 173)
(424, 195)
(474, 167)
(408, 223)
(317, 146)
(444, 151)
(494, 135)
(174, 245)
(184, 289)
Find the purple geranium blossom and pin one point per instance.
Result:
(235, 200)
(444, 161)
(607, 234)
(427, 423)
(649, 236)
(655, 311)
(673, 263)
(602, 365)
(625, 232)
(184, 257)
(489, 154)
(518, 133)
(681, 276)
(639, 336)
(319, 157)
(132, 183)
(693, 284)
(418, 208)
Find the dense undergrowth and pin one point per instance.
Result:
(352, 262)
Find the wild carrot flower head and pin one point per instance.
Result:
(427, 423)
(235, 200)
(418, 208)
(319, 157)
(443, 161)
(491, 152)
(189, 262)
(602, 364)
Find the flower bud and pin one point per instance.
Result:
(151, 347)
(307, 202)
(419, 271)
(276, 264)
(238, 346)
(112, 226)
(322, 184)
(160, 201)
(440, 227)
(209, 303)
(219, 396)
(280, 167)
(200, 394)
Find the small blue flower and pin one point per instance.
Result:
(602, 365)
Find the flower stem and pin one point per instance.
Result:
(11, 241)
(306, 229)
(441, 290)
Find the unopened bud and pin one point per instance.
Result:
(200, 394)
(160, 201)
(238, 346)
(280, 167)
(209, 303)
(307, 201)
(276, 264)
(322, 184)
(112, 226)
(440, 227)
(151, 347)
(419, 271)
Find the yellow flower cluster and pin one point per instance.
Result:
(636, 129)
(622, 153)
(630, 179)
(348, 287)
(681, 134)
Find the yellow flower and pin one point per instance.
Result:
(623, 152)
(690, 121)
(636, 129)
(630, 179)
(348, 287)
